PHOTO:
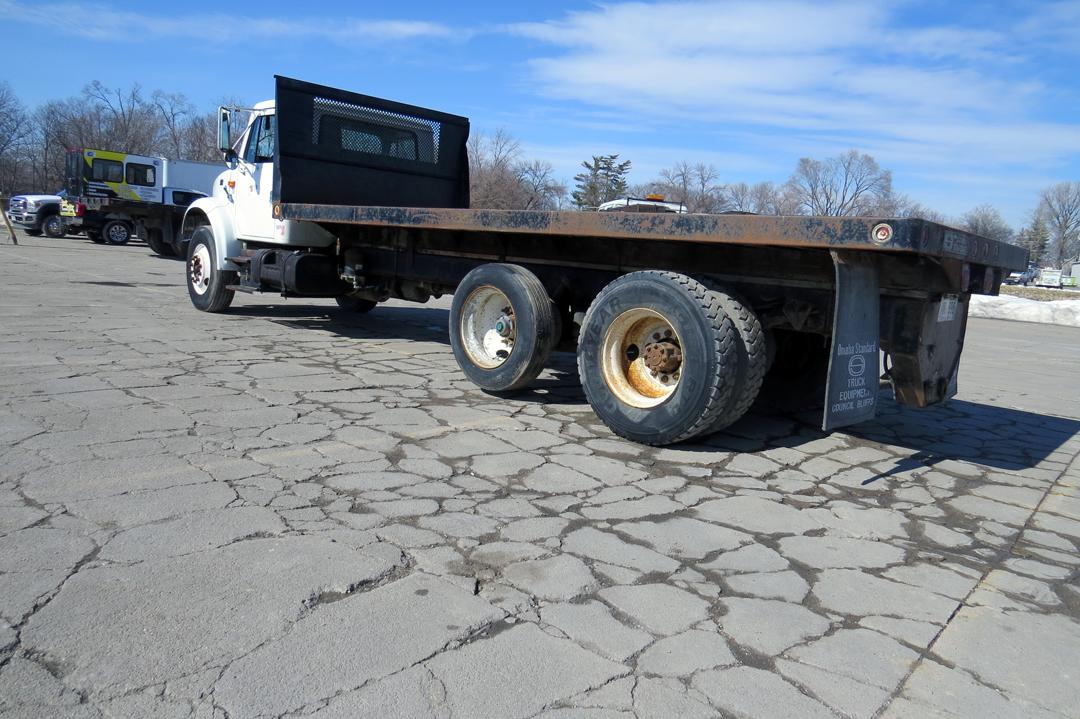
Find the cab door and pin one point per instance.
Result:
(254, 178)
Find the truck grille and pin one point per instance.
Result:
(18, 204)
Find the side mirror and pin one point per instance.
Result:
(224, 134)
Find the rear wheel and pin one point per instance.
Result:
(207, 285)
(156, 242)
(53, 226)
(355, 304)
(751, 354)
(657, 357)
(503, 326)
(116, 232)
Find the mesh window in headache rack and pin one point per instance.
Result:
(357, 128)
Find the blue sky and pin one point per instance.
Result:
(967, 102)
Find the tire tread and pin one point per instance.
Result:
(752, 349)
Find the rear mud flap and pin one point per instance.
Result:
(851, 390)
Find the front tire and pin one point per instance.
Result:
(503, 326)
(657, 357)
(207, 285)
(53, 226)
(116, 232)
(32, 231)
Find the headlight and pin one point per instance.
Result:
(32, 205)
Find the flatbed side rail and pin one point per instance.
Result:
(897, 235)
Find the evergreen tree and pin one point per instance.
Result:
(1038, 239)
(604, 179)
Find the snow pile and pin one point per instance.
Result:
(1006, 307)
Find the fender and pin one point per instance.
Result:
(218, 214)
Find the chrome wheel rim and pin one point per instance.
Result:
(488, 327)
(117, 233)
(641, 358)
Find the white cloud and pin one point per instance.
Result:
(102, 22)
(857, 71)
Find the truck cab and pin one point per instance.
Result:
(239, 208)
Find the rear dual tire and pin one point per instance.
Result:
(155, 240)
(664, 357)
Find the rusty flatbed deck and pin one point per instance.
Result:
(907, 235)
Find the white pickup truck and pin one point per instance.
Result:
(37, 214)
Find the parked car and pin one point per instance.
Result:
(1024, 278)
(38, 213)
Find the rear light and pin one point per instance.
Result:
(80, 209)
(881, 233)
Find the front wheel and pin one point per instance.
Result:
(116, 232)
(207, 285)
(503, 326)
(33, 231)
(53, 226)
(658, 357)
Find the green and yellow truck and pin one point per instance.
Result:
(112, 196)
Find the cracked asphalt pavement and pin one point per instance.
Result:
(286, 511)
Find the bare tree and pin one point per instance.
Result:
(129, 118)
(694, 185)
(500, 179)
(14, 132)
(922, 212)
(986, 221)
(763, 198)
(542, 190)
(1059, 208)
(848, 185)
(492, 180)
(176, 114)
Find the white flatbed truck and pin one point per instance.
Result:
(677, 319)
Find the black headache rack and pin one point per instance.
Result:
(343, 148)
